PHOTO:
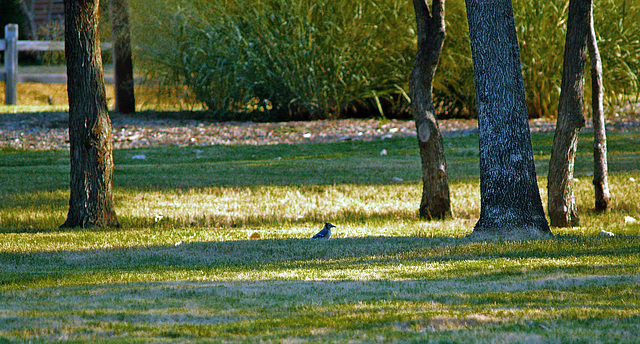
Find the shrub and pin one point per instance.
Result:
(11, 14)
(541, 27)
(299, 59)
(618, 28)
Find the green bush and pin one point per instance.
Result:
(298, 59)
(541, 28)
(541, 34)
(11, 14)
(618, 28)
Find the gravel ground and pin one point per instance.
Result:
(42, 131)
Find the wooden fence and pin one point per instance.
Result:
(11, 45)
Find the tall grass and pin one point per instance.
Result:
(303, 59)
(541, 29)
(295, 58)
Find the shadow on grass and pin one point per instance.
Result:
(42, 224)
(324, 310)
(402, 285)
(348, 258)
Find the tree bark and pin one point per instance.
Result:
(562, 208)
(122, 61)
(27, 9)
(600, 180)
(510, 199)
(91, 199)
(436, 203)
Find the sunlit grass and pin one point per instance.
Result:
(346, 289)
(37, 97)
(373, 259)
(215, 248)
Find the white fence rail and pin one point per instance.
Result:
(11, 45)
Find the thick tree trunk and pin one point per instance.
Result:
(435, 202)
(122, 61)
(91, 199)
(562, 208)
(510, 198)
(600, 180)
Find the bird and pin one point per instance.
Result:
(325, 233)
(606, 234)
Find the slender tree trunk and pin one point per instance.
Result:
(562, 208)
(510, 198)
(91, 199)
(27, 9)
(600, 180)
(435, 202)
(122, 61)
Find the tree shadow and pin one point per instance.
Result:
(226, 259)
(238, 288)
(245, 310)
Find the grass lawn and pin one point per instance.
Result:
(184, 266)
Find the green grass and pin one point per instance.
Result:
(183, 268)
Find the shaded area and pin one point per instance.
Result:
(36, 184)
(391, 287)
(229, 260)
(331, 163)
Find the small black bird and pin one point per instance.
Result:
(325, 233)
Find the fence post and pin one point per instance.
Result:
(11, 64)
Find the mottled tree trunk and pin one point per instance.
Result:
(510, 198)
(435, 202)
(91, 199)
(562, 208)
(122, 61)
(600, 181)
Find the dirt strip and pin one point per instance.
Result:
(43, 131)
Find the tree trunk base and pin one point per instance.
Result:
(86, 222)
(569, 218)
(509, 234)
(603, 199)
(440, 210)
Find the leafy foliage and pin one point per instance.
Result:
(11, 14)
(302, 59)
(541, 27)
(296, 58)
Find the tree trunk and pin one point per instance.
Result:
(435, 202)
(91, 199)
(510, 198)
(600, 181)
(122, 61)
(27, 9)
(563, 211)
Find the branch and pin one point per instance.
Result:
(422, 14)
(438, 11)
